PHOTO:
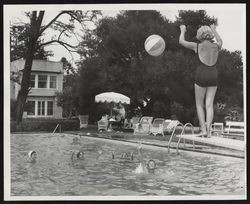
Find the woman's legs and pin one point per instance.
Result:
(211, 91)
(199, 99)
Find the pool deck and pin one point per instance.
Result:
(160, 141)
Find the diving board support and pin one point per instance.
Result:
(173, 133)
(184, 141)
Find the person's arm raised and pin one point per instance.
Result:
(217, 36)
(183, 42)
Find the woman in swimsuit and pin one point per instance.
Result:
(206, 73)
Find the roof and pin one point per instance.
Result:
(38, 65)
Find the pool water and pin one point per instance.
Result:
(56, 173)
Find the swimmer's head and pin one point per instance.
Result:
(75, 140)
(204, 33)
(151, 166)
(32, 154)
(80, 155)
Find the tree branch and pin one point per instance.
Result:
(51, 22)
(57, 41)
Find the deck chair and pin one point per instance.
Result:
(83, 121)
(169, 125)
(143, 127)
(157, 127)
(217, 128)
(134, 121)
(233, 128)
(103, 123)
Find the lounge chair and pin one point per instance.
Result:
(134, 121)
(157, 127)
(233, 128)
(83, 121)
(143, 127)
(103, 123)
(217, 128)
(127, 124)
(169, 125)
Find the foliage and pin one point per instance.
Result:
(46, 125)
(19, 39)
(66, 100)
(67, 66)
(193, 20)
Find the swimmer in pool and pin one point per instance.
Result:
(32, 155)
(142, 168)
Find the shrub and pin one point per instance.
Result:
(47, 125)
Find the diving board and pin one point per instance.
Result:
(216, 141)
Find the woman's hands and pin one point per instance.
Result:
(213, 28)
(183, 28)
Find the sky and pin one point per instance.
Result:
(231, 20)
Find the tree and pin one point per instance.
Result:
(35, 32)
(19, 34)
(67, 66)
(114, 59)
(65, 99)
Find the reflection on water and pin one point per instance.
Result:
(56, 174)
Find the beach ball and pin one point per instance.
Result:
(154, 45)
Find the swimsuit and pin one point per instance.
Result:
(206, 75)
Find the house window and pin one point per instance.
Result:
(50, 108)
(42, 81)
(41, 108)
(32, 80)
(30, 107)
(52, 82)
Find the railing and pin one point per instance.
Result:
(184, 142)
(60, 129)
(173, 133)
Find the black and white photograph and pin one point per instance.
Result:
(125, 101)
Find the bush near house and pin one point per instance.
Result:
(47, 125)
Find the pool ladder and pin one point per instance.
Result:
(60, 129)
(183, 127)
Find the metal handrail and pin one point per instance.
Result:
(58, 125)
(178, 143)
(170, 140)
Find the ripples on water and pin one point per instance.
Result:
(56, 174)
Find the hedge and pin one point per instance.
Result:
(48, 125)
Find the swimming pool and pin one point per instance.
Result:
(55, 173)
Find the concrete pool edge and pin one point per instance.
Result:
(161, 146)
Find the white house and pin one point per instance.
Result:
(46, 79)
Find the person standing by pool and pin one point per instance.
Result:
(206, 76)
(121, 115)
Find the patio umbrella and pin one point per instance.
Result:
(112, 97)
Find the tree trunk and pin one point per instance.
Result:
(23, 92)
(25, 84)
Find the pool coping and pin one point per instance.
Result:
(158, 145)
